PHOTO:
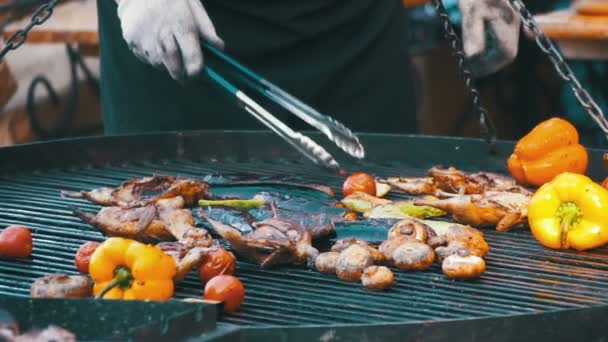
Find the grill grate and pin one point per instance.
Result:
(521, 276)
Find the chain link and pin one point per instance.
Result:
(487, 128)
(562, 68)
(42, 14)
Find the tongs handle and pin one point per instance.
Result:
(343, 137)
(302, 143)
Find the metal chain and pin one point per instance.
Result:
(562, 68)
(42, 14)
(487, 128)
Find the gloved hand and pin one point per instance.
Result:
(167, 34)
(490, 34)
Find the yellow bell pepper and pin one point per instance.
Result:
(127, 269)
(570, 211)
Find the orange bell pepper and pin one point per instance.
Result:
(551, 148)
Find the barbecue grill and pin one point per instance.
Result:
(528, 292)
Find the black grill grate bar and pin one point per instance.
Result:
(423, 282)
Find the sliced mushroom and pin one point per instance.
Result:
(352, 261)
(326, 262)
(62, 286)
(377, 278)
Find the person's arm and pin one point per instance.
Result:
(490, 34)
(168, 33)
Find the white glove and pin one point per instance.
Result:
(490, 34)
(168, 33)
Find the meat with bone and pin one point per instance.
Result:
(501, 209)
(273, 241)
(185, 258)
(165, 220)
(61, 286)
(449, 182)
(148, 190)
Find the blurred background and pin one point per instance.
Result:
(49, 86)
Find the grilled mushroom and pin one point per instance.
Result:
(410, 227)
(343, 244)
(326, 262)
(463, 267)
(413, 256)
(352, 262)
(377, 278)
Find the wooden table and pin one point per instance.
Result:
(580, 36)
(72, 22)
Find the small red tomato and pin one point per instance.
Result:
(227, 289)
(359, 181)
(218, 262)
(83, 256)
(16, 241)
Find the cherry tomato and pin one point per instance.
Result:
(359, 181)
(16, 241)
(83, 255)
(218, 262)
(227, 289)
(605, 183)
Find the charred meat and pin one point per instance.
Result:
(165, 220)
(501, 209)
(185, 258)
(442, 182)
(62, 286)
(273, 241)
(148, 190)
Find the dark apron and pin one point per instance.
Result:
(347, 59)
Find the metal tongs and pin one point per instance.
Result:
(343, 137)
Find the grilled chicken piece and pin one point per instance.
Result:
(502, 209)
(274, 241)
(164, 221)
(451, 181)
(185, 258)
(141, 192)
(377, 278)
(61, 286)
(414, 185)
(352, 262)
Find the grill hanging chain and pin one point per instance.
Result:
(562, 68)
(42, 14)
(487, 128)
